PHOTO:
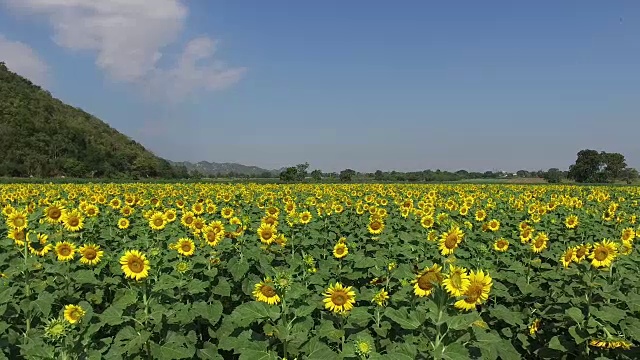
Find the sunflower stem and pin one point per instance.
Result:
(27, 289)
(145, 301)
(284, 322)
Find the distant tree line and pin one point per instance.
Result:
(590, 167)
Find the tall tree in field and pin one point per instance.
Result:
(592, 166)
(587, 167)
(614, 164)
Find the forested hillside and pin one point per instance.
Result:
(41, 136)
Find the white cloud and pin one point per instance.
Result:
(23, 60)
(129, 37)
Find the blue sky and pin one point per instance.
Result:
(412, 85)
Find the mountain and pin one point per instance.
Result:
(43, 137)
(213, 168)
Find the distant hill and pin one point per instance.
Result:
(43, 137)
(213, 168)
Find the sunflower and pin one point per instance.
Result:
(170, 215)
(135, 265)
(123, 223)
(481, 215)
(40, 247)
(237, 227)
(197, 208)
(54, 329)
(501, 245)
(53, 213)
(603, 253)
(126, 210)
(526, 234)
(494, 225)
(339, 299)
(427, 222)
(212, 236)
(91, 254)
(226, 212)
(610, 344)
(7, 210)
(17, 220)
(539, 243)
(628, 234)
(198, 225)
(267, 233)
(185, 247)
(381, 298)
(265, 291)
(568, 257)
(18, 236)
(375, 227)
(187, 219)
(626, 248)
(340, 250)
(73, 220)
(449, 240)
(571, 221)
(91, 210)
(73, 313)
(582, 252)
(425, 281)
(65, 251)
(477, 292)
(456, 281)
(305, 217)
(157, 221)
(534, 327)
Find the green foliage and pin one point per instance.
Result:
(594, 167)
(43, 137)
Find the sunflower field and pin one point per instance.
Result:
(243, 271)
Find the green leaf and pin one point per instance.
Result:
(166, 282)
(211, 312)
(43, 304)
(223, 288)
(633, 302)
(463, 321)
(85, 277)
(455, 351)
(176, 347)
(579, 335)
(237, 268)
(111, 316)
(34, 348)
(575, 314)
(317, 350)
(555, 344)
(250, 354)
(247, 313)
(398, 356)
(124, 298)
(208, 352)
(196, 286)
(609, 313)
(402, 318)
(503, 313)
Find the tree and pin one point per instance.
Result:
(629, 175)
(378, 175)
(290, 174)
(301, 171)
(553, 176)
(614, 164)
(587, 167)
(346, 175)
(592, 166)
(522, 173)
(316, 175)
